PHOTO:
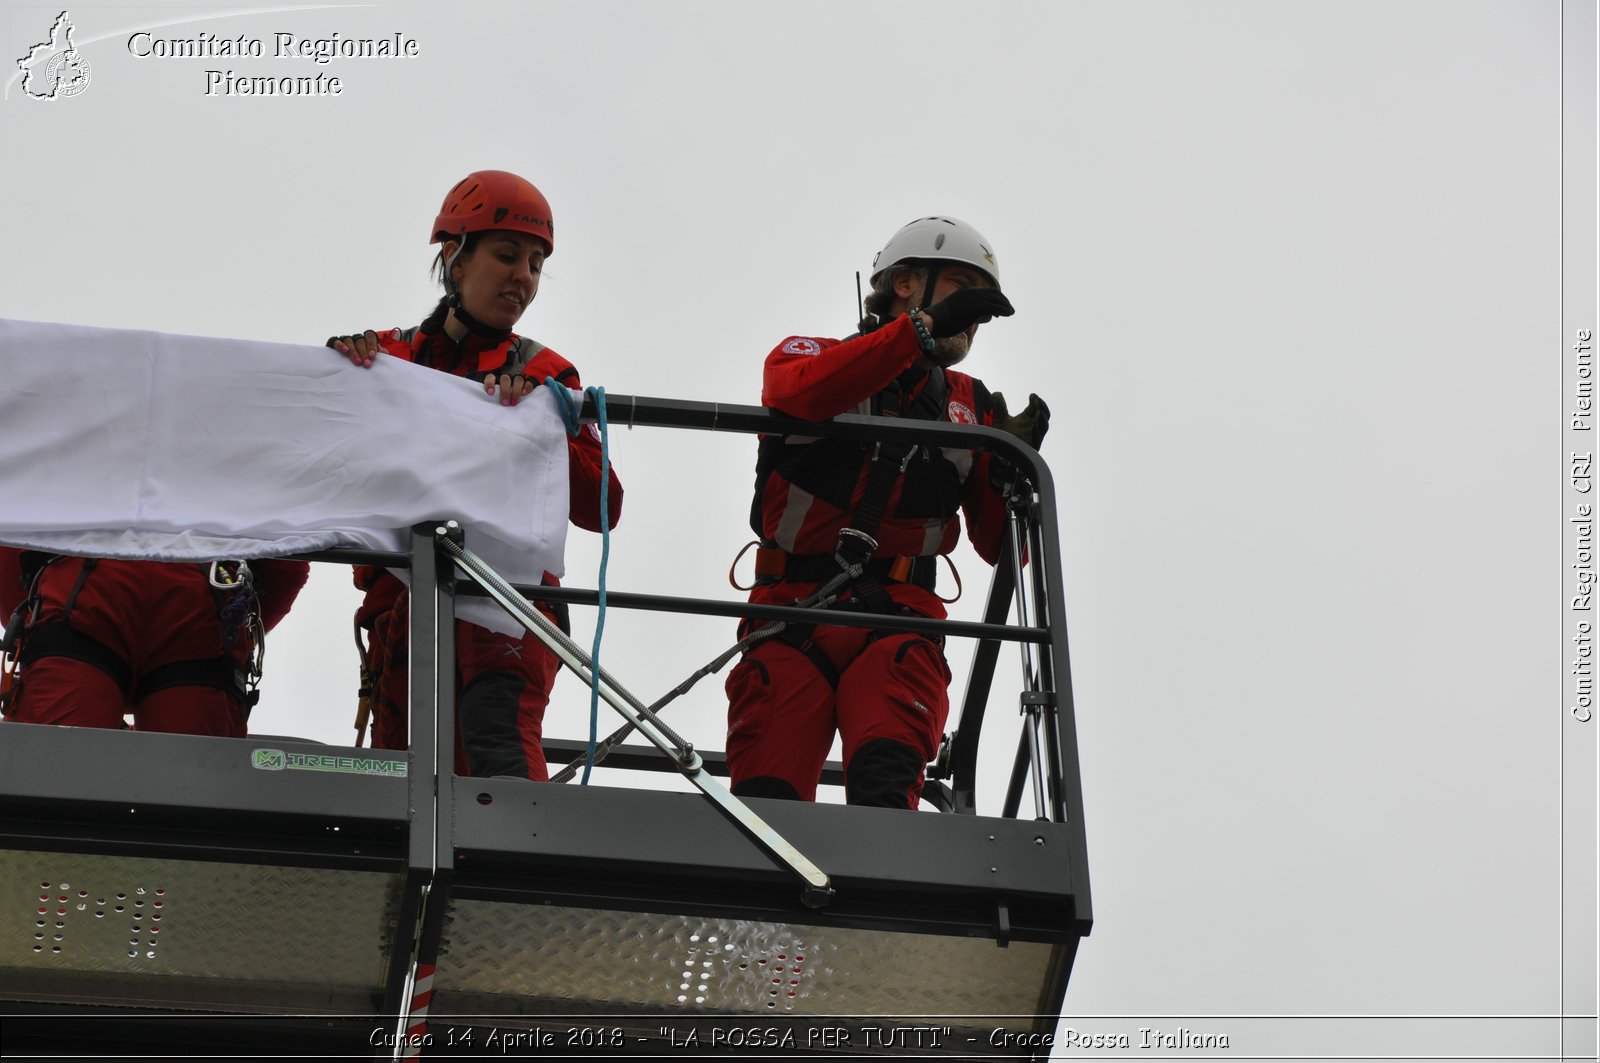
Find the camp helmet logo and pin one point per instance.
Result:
(54, 69)
(534, 220)
(268, 760)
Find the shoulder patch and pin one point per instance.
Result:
(801, 345)
(961, 413)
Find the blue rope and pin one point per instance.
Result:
(569, 416)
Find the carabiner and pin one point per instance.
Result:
(224, 580)
(735, 564)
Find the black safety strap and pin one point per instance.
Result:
(934, 269)
(89, 564)
(889, 463)
(799, 636)
(929, 405)
(816, 568)
(222, 673)
(55, 639)
(33, 562)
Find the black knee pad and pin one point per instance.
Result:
(487, 713)
(882, 773)
(765, 786)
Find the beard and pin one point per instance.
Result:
(949, 350)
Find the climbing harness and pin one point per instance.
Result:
(21, 620)
(850, 565)
(238, 610)
(27, 638)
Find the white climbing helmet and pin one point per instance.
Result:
(937, 237)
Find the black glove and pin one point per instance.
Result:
(1029, 426)
(966, 307)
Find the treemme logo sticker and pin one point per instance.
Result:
(278, 760)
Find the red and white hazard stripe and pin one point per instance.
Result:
(421, 997)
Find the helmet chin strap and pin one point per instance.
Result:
(473, 324)
(927, 289)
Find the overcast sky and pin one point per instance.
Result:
(1288, 274)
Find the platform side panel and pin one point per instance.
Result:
(128, 930)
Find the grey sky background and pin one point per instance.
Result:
(1287, 274)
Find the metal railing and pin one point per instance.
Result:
(1046, 760)
(406, 855)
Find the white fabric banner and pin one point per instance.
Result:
(117, 443)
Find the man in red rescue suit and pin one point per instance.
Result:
(98, 638)
(885, 692)
(496, 232)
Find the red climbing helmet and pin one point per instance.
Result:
(494, 199)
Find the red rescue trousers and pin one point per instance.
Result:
(887, 695)
(149, 615)
(503, 685)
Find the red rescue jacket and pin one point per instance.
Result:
(807, 489)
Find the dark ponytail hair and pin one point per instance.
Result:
(448, 300)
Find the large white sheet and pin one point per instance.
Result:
(118, 443)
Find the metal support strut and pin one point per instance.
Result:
(1033, 696)
(818, 888)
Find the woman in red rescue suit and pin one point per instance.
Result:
(885, 692)
(99, 638)
(496, 233)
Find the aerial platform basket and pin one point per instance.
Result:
(174, 893)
